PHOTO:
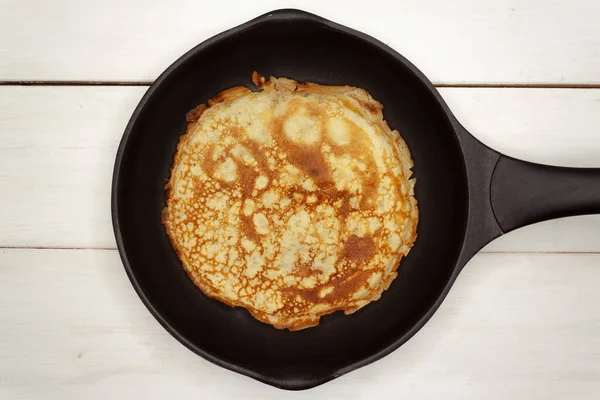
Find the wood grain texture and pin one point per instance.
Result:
(57, 149)
(513, 326)
(463, 41)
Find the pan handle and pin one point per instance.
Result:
(524, 193)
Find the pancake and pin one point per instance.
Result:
(293, 202)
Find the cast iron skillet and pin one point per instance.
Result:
(468, 195)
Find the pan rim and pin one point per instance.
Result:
(291, 384)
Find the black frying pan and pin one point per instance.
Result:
(468, 195)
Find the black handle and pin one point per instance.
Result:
(523, 193)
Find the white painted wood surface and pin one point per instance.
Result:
(499, 41)
(523, 319)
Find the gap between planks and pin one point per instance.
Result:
(439, 85)
(56, 248)
(480, 252)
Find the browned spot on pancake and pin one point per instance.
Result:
(311, 161)
(258, 80)
(360, 149)
(370, 176)
(259, 156)
(304, 270)
(207, 164)
(359, 250)
(343, 286)
(345, 208)
(316, 111)
(333, 196)
(370, 183)
(247, 174)
(373, 108)
(246, 177)
(307, 158)
(349, 105)
(228, 94)
(309, 295)
(195, 114)
(351, 285)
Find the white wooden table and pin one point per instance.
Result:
(523, 319)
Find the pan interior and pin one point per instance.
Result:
(305, 50)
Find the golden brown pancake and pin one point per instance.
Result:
(292, 202)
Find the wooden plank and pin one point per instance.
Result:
(551, 126)
(57, 148)
(496, 41)
(513, 326)
(57, 152)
